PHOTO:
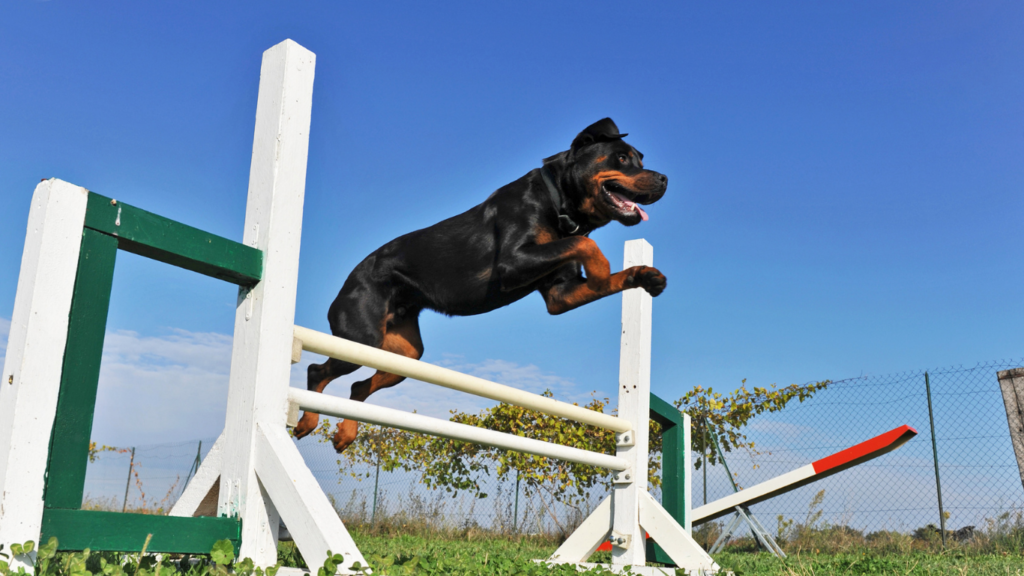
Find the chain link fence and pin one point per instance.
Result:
(973, 463)
(972, 467)
(148, 477)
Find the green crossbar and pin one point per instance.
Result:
(96, 530)
(156, 237)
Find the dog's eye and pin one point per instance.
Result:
(623, 159)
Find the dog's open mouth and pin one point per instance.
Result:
(622, 199)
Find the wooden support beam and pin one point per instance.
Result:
(262, 351)
(35, 350)
(1011, 383)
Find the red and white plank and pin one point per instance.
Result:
(827, 466)
(823, 468)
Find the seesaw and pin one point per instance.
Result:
(817, 470)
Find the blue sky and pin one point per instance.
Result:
(844, 198)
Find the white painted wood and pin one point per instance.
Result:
(363, 412)
(634, 406)
(206, 479)
(35, 353)
(687, 483)
(631, 570)
(672, 537)
(363, 355)
(261, 355)
(778, 485)
(311, 519)
(583, 542)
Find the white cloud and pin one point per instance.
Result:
(162, 388)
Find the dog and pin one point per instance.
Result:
(530, 235)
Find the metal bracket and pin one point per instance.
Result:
(625, 439)
(623, 477)
(620, 540)
(292, 419)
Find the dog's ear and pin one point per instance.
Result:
(603, 130)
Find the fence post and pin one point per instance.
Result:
(515, 510)
(935, 458)
(195, 464)
(376, 483)
(128, 484)
(1011, 384)
(704, 457)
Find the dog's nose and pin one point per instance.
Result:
(663, 179)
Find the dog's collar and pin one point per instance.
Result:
(566, 224)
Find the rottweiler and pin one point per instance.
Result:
(530, 235)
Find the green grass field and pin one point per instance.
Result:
(487, 555)
(490, 556)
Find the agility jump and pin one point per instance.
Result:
(255, 473)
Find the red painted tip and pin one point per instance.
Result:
(880, 444)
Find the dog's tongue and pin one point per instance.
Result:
(633, 205)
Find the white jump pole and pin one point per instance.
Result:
(625, 516)
(371, 357)
(634, 405)
(263, 478)
(345, 408)
(35, 352)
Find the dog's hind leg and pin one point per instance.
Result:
(359, 314)
(401, 337)
(318, 376)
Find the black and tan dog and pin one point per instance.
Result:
(529, 235)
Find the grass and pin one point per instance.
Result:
(418, 541)
(916, 563)
(482, 554)
(472, 553)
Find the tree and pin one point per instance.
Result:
(725, 415)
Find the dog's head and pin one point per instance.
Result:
(605, 177)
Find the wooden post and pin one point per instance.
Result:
(634, 405)
(624, 517)
(1011, 383)
(261, 355)
(35, 349)
(261, 465)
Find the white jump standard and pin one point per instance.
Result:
(254, 473)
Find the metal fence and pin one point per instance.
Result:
(900, 491)
(971, 468)
(150, 476)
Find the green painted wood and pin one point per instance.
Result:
(673, 469)
(159, 238)
(76, 402)
(96, 530)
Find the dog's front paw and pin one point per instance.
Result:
(648, 278)
(307, 424)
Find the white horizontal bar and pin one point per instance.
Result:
(363, 355)
(345, 408)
